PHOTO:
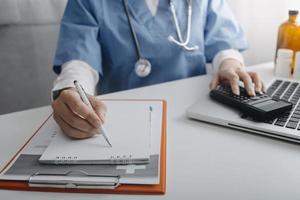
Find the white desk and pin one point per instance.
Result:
(203, 161)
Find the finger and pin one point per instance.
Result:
(245, 77)
(99, 107)
(74, 120)
(234, 82)
(257, 82)
(214, 83)
(70, 131)
(74, 102)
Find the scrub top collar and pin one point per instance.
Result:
(141, 12)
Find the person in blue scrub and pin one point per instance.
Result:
(114, 45)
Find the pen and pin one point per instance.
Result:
(86, 101)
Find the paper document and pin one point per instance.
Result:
(128, 125)
(26, 162)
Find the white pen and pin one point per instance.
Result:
(86, 101)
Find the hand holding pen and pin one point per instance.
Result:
(87, 102)
(75, 118)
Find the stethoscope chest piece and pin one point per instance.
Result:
(143, 68)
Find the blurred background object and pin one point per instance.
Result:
(29, 32)
(28, 37)
(260, 20)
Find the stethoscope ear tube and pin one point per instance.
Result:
(189, 24)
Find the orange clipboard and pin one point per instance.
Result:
(158, 189)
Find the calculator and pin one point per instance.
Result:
(261, 107)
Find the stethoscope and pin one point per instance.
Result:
(182, 43)
(143, 66)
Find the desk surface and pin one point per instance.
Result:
(203, 161)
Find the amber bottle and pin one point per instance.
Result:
(289, 34)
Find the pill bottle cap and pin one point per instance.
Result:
(285, 54)
(293, 12)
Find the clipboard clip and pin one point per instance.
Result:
(74, 180)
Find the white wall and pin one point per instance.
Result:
(260, 20)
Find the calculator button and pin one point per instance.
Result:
(255, 98)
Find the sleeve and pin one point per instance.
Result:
(224, 55)
(222, 31)
(80, 71)
(78, 37)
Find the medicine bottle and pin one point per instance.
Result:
(283, 63)
(288, 37)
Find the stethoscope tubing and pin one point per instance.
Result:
(181, 42)
(143, 66)
(133, 33)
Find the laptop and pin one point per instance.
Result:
(286, 127)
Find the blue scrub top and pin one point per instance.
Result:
(97, 32)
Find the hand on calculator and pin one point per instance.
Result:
(232, 71)
(260, 107)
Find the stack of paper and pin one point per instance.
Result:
(128, 125)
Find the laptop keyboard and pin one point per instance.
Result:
(288, 91)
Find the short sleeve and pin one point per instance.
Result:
(222, 31)
(78, 37)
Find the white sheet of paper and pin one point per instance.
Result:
(128, 127)
(156, 131)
